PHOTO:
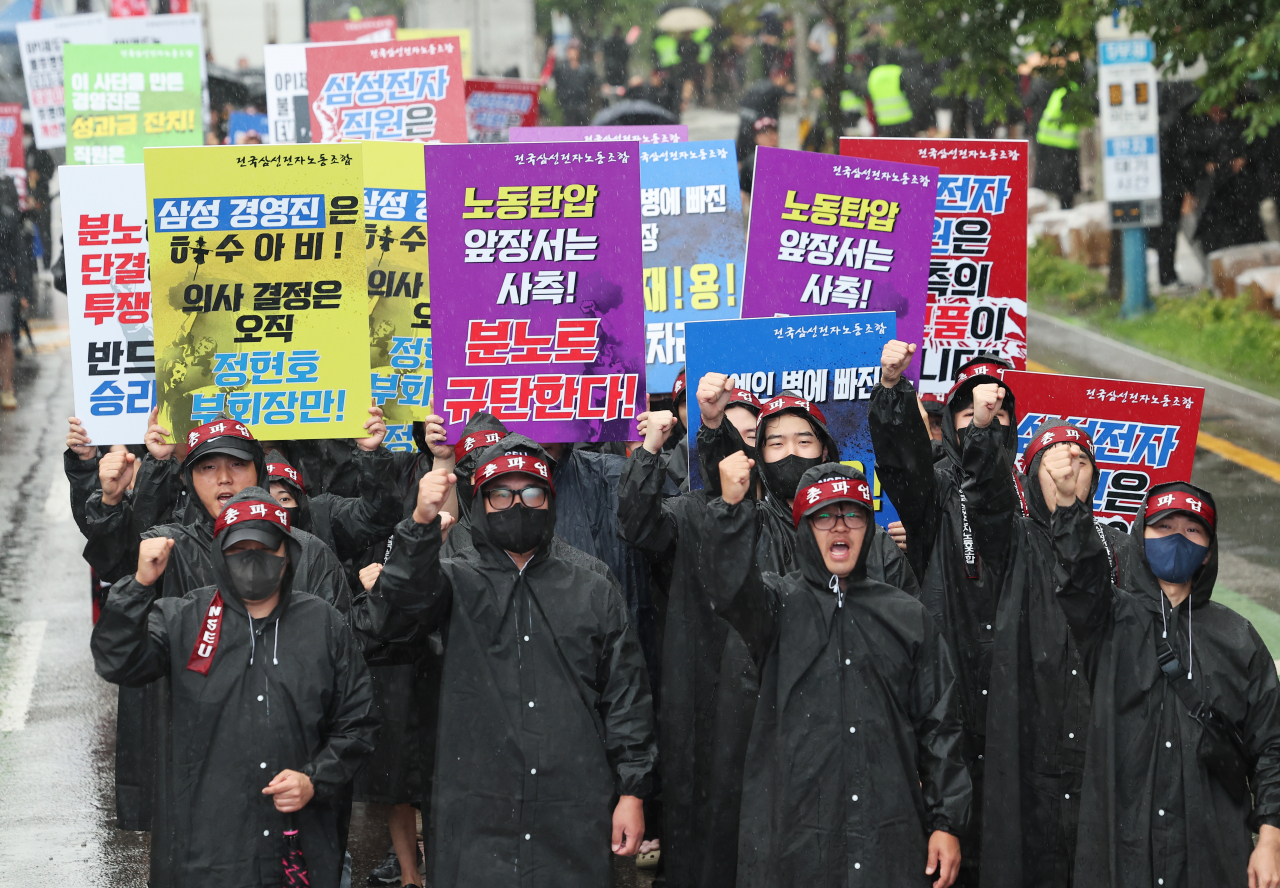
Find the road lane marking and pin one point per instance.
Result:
(1222, 447)
(24, 656)
(57, 505)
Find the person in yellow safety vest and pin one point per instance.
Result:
(702, 38)
(894, 116)
(1057, 159)
(666, 50)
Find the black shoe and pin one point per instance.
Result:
(387, 872)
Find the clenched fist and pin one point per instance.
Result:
(153, 558)
(894, 361)
(433, 490)
(988, 398)
(1069, 471)
(735, 477)
(369, 575)
(115, 473)
(714, 391)
(656, 427)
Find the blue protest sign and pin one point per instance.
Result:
(693, 246)
(831, 360)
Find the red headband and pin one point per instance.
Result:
(219, 428)
(511, 463)
(1068, 434)
(774, 406)
(829, 491)
(678, 388)
(252, 510)
(474, 440)
(284, 470)
(745, 399)
(984, 369)
(1181, 501)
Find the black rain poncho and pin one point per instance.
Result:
(1038, 700)
(287, 692)
(958, 585)
(856, 751)
(1150, 809)
(317, 571)
(709, 681)
(545, 714)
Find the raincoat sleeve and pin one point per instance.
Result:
(1261, 735)
(713, 446)
(626, 706)
(731, 578)
(349, 720)
(130, 641)
(157, 492)
(111, 546)
(897, 569)
(935, 715)
(387, 636)
(643, 520)
(990, 495)
(82, 476)
(413, 579)
(1083, 579)
(904, 464)
(357, 521)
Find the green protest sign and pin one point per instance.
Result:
(121, 97)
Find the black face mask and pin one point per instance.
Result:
(783, 476)
(256, 573)
(519, 529)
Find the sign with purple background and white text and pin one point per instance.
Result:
(537, 301)
(839, 234)
(646, 135)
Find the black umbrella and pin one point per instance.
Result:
(635, 113)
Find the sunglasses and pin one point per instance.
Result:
(854, 520)
(503, 498)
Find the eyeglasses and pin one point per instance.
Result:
(854, 520)
(503, 498)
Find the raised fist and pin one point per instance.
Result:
(433, 490)
(656, 427)
(735, 477)
(115, 472)
(894, 361)
(153, 558)
(714, 391)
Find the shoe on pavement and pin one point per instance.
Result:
(8, 400)
(387, 872)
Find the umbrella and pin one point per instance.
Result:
(634, 112)
(295, 865)
(684, 18)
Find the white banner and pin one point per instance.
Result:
(40, 46)
(104, 224)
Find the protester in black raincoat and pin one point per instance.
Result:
(1154, 811)
(1038, 701)
(237, 461)
(268, 698)
(545, 715)
(678, 456)
(855, 772)
(959, 587)
(709, 681)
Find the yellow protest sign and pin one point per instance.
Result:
(463, 35)
(258, 288)
(399, 295)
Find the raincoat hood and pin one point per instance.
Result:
(808, 554)
(481, 432)
(510, 447)
(972, 374)
(789, 402)
(1185, 498)
(222, 575)
(1042, 439)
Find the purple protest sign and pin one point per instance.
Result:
(831, 234)
(537, 307)
(647, 135)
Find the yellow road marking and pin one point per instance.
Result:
(1212, 443)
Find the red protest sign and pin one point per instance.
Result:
(495, 104)
(407, 90)
(1143, 433)
(345, 29)
(11, 135)
(978, 261)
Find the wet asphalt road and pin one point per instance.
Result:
(57, 741)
